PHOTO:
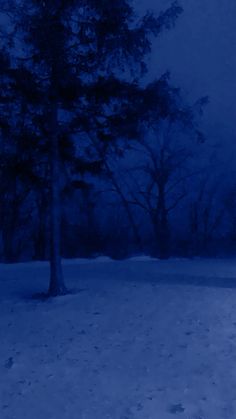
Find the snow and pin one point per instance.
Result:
(141, 339)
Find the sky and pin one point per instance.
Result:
(200, 52)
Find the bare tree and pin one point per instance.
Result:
(159, 180)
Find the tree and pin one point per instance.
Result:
(84, 57)
(207, 208)
(165, 163)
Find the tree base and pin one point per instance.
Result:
(55, 291)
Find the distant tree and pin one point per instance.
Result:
(19, 160)
(229, 203)
(207, 208)
(5, 98)
(167, 147)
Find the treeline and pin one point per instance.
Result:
(93, 159)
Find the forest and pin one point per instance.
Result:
(97, 157)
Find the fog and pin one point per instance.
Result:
(201, 54)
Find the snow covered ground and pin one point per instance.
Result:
(142, 339)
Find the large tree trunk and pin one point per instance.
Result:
(56, 286)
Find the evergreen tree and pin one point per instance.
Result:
(84, 59)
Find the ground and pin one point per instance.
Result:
(139, 339)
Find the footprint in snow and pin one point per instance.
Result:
(9, 363)
(176, 408)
